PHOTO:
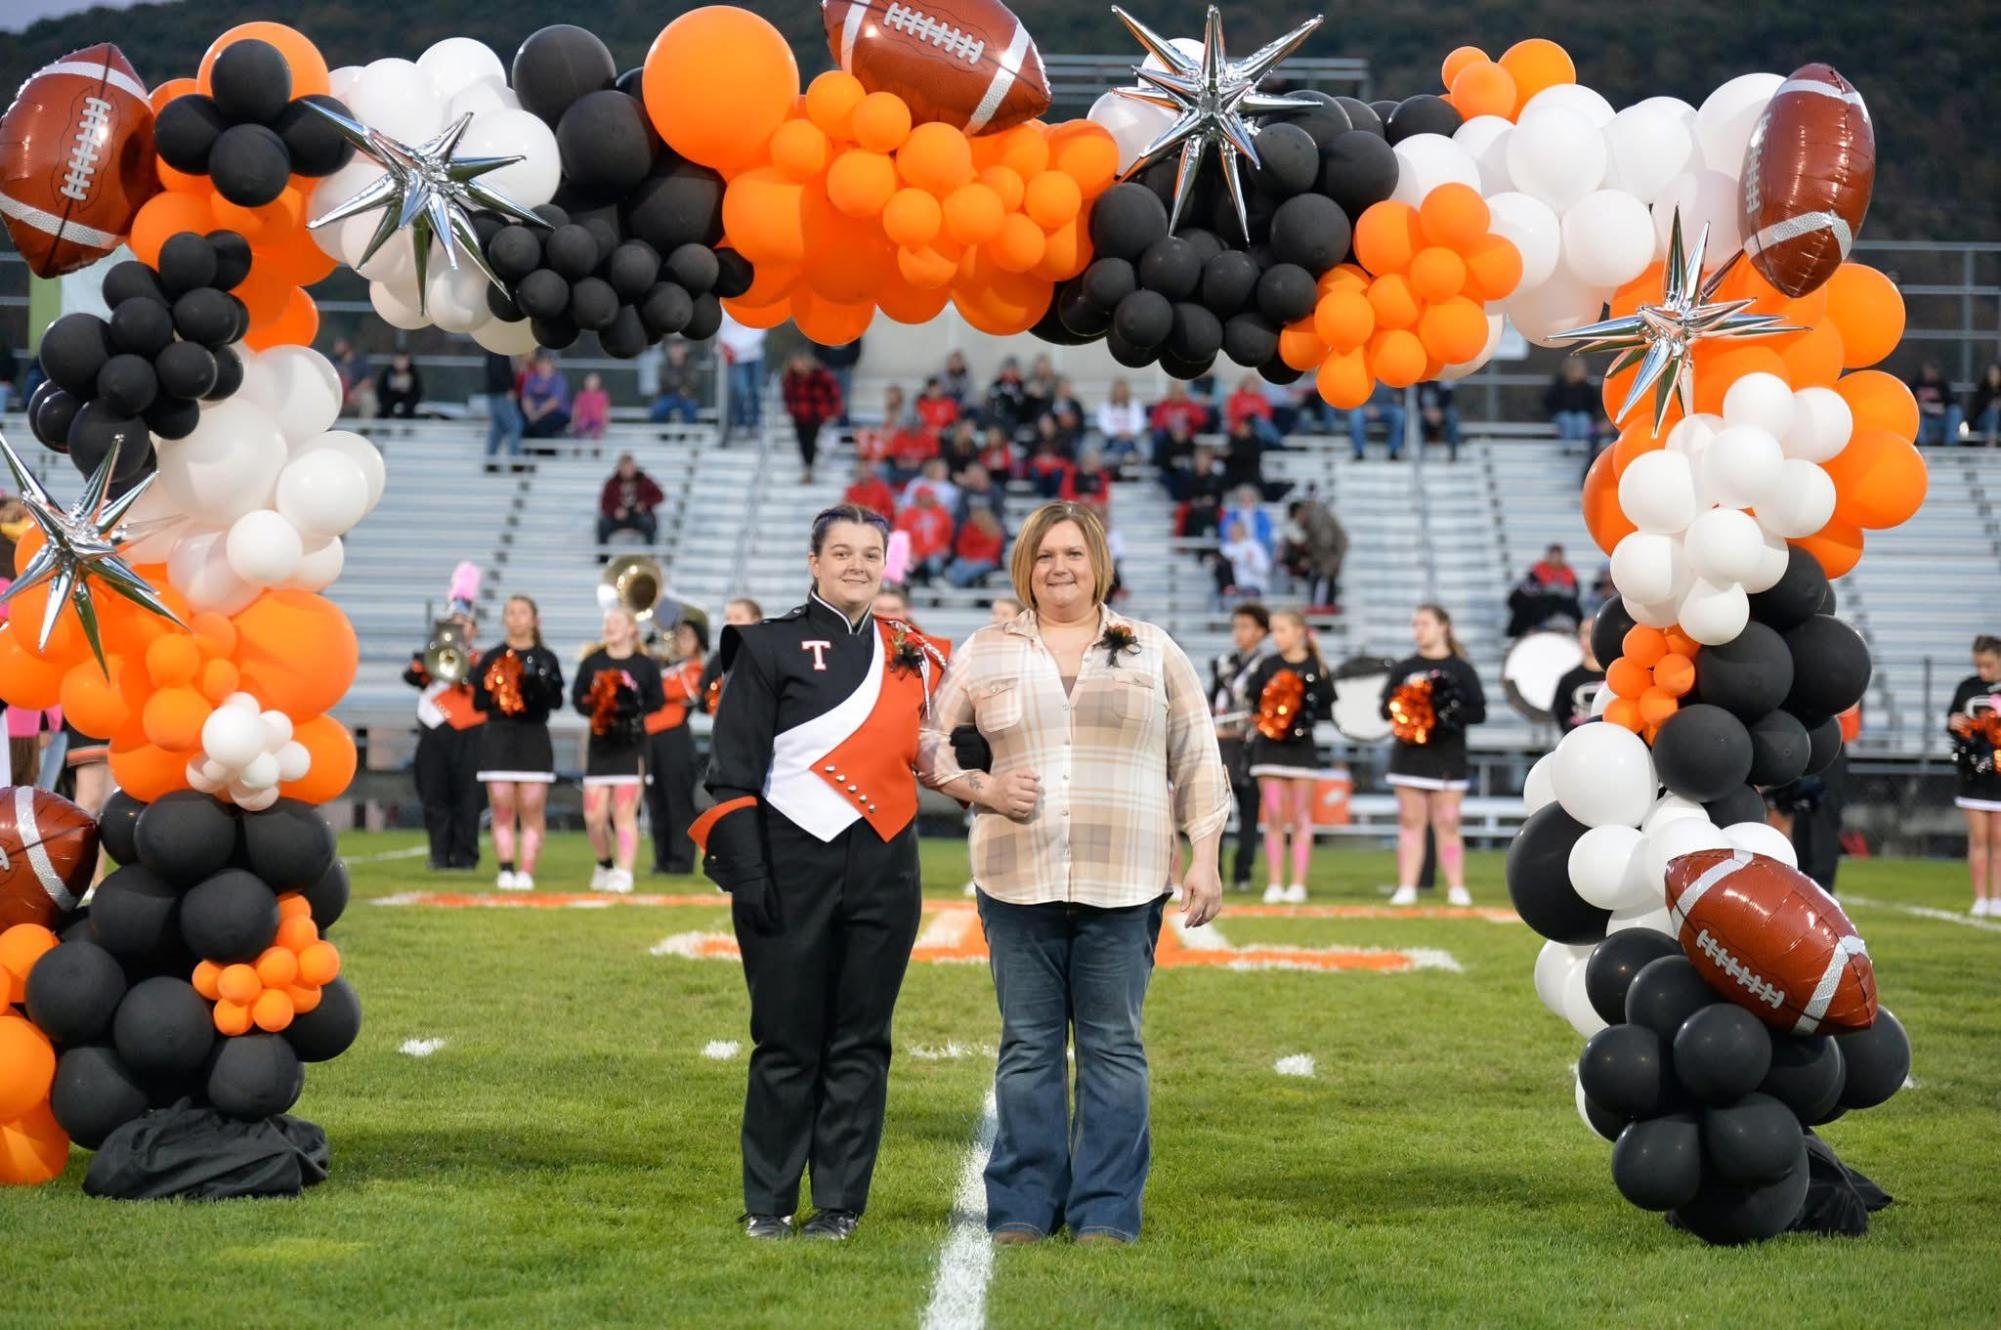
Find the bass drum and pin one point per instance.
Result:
(1532, 669)
(1358, 698)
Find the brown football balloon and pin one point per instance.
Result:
(1808, 174)
(968, 63)
(48, 851)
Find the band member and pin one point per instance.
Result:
(737, 614)
(516, 687)
(448, 755)
(616, 688)
(1289, 691)
(1230, 699)
(814, 835)
(670, 751)
(1578, 689)
(1974, 721)
(1430, 699)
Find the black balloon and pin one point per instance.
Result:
(314, 145)
(135, 915)
(681, 204)
(1125, 220)
(1823, 745)
(1323, 122)
(255, 1076)
(1425, 113)
(1726, 1214)
(1657, 1163)
(1754, 1140)
(127, 384)
(1170, 267)
(708, 315)
(693, 268)
(328, 896)
(1081, 317)
(1251, 340)
(1127, 354)
(232, 258)
(289, 845)
(187, 261)
(97, 429)
(606, 141)
(571, 251)
(228, 374)
(1806, 1075)
(1311, 231)
(1830, 667)
(1206, 244)
(1876, 1061)
(1721, 1053)
(173, 417)
(1743, 804)
(185, 370)
(1539, 879)
(1288, 160)
(51, 412)
(116, 826)
(185, 837)
(74, 990)
(632, 270)
(556, 66)
(94, 1094)
(1286, 292)
(1603, 1120)
(556, 333)
(133, 280)
(1780, 749)
(1795, 597)
(593, 304)
(1108, 281)
(1609, 629)
(206, 317)
(141, 327)
(1228, 282)
(1196, 337)
(1363, 115)
(328, 1029)
(1747, 676)
(1702, 752)
(249, 165)
(1625, 1069)
(665, 309)
(163, 1027)
(1144, 319)
(1613, 963)
(229, 918)
(251, 82)
(1277, 371)
(626, 336)
(734, 275)
(1358, 169)
(543, 294)
(186, 129)
(514, 251)
(1665, 993)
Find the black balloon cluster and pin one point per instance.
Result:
(250, 136)
(167, 347)
(1182, 300)
(199, 880)
(631, 253)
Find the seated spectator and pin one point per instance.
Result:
(1069, 426)
(1049, 430)
(1091, 483)
(1200, 495)
(1246, 506)
(1249, 404)
(675, 397)
(1244, 463)
(590, 413)
(1555, 571)
(957, 381)
(1049, 471)
(1546, 597)
(1066, 401)
(1572, 404)
(1602, 590)
(1984, 407)
(1176, 416)
(1173, 454)
(545, 399)
(935, 409)
(910, 446)
(626, 503)
(813, 400)
(1038, 390)
(357, 385)
(399, 388)
(997, 453)
(869, 490)
(977, 490)
(1437, 417)
(1312, 546)
(976, 550)
(1384, 407)
(892, 603)
(961, 448)
(934, 477)
(1246, 563)
(1004, 609)
(1121, 422)
(1007, 403)
(930, 530)
(1938, 413)
(872, 441)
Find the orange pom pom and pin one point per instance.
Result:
(973, 214)
(273, 1010)
(799, 149)
(1536, 64)
(1627, 678)
(1459, 59)
(1483, 88)
(1007, 185)
(882, 122)
(1393, 302)
(239, 983)
(173, 660)
(1674, 674)
(207, 980)
(296, 934)
(319, 964)
(1396, 357)
(292, 905)
(861, 183)
(1493, 268)
(1344, 319)
(277, 967)
(1643, 646)
(1453, 215)
(831, 100)
(1387, 237)
(304, 997)
(1656, 705)
(1437, 273)
(1344, 380)
(1019, 245)
(232, 1018)
(1453, 331)
(913, 218)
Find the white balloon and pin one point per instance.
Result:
(1654, 918)
(199, 779)
(394, 263)
(1772, 564)
(260, 773)
(333, 191)
(319, 567)
(1712, 614)
(1558, 305)
(297, 385)
(1724, 122)
(1556, 155)
(340, 82)
(396, 97)
(1539, 788)
(1801, 503)
(1648, 145)
(1188, 46)
(1486, 138)
(1604, 776)
(1605, 870)
(1649, 568)
(1822, 424)
(1575, 98)
(1764, 401)
(1654, 614)
(1583, 1115)
(1724, 545)
(232, 737)
(531, 181)
(294, 761)
(1577, 1008)
(457, 299)
(397, 309)
(252, 801)
(1531, 226)
(506, 339)
(1608, 237)
(243, 702)
(480, 98)
(1657, 492)
(350, 445)
(1601, 701)
(1671, 808)
(1553, 965)
(1704, 198)
(1496, 325)
(277, 730)
(1674, 839)
(263, 548)
(458, 62)
(156, 516)
(1426, 161)
(227, 465)
(1691, 435)
(1741, 466)
(1763, 838)
(323, 494)
(1133, 124)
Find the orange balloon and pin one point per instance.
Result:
(1636, 438)
(319, 964)
(1344, 319)
(882, 122)
(1391, 298)
(1680, 643)
(232, 1018)
(973, 214)
(1459, 59)
(924, 267)
(92, 702)
(1484, 88)
(828, 322)
(860, 183)
(1813, 358)
(1453, 215)
(936, 158)
(900, 302)
(1025, 150)
(27, 1066)
(718, 82)
(800, 149)
(1086, 152)
(293, 905)
(180, 182)
(1836, 547)
(1019, 245)
(173, 660)
(1007, 185)
(214, 634)
(270, 224)
(1627, 677)
(304, 998)
(1453, 331)
(309, 67)
(332, 750)
(1493, 268)
(220, 678)
(33, 1148)
(1603, 517)
(277, 967)
(169, 90)
(1396, 357)
(174, 717)
(20, 947)
(1052, 199)
(1387, 236)
(239, 983)
(297, 324)
(1880, 401)
(1644, 289)
(764, 216)
(913, 217)
(207, 979)
(1716, 370)
(1656, 705)
(1066, 253)
(1437, 273)
(1536, 64)
(165, 216)
(273, 1009)
(1300, 347)
(1868, 311)
(831, 100)
(296, 651)
(1674, 674)
(1344, 380)
(1625, 713)
(1643, 646)
(1879, 479)
(297, 933)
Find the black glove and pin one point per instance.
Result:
(754, 906)
(971, 750)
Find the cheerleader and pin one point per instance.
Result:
(516, 687)
(1974, 721)
(1289, 691)
(1430, 699)
(670, 752)
(616, 687)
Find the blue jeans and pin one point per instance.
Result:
(1392, 418)
(1573, 426)
(969, 572)
(1940, 430)
(1056, 968)
(503, 426)
(1989, 424)
(668, 407)
(747, 393)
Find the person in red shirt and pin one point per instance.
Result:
(1177, 409)
(872, 441)
(1050, 472)
(1554, 572)
(626, 503)
(1249, 402)
(997, 453)
(910, 447)
(977, 550)
(930, 530)
(812, 399)
(935, 409)
(871, 491)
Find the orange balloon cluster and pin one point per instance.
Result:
(282, 984)
(1476, 84)
(852, 209)
(1654, 671)
(1414, 304)
(33, 1148)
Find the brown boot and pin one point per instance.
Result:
(1016, 1237)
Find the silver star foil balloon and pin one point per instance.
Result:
(80, 555)
(1212, 99)
(1663, 337)
(427, 191)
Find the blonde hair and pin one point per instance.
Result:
(1305, 632)
(1021, 564)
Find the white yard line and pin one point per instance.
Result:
(966, 1262)
(1297, 1064)
(721, 1050)
(383, 856)
(420, 1048)
(1206, 938)
(1924, 912)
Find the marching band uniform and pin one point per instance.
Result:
(814, 834)
(1235, 707)
(670, 768)
(1440, 761)
(517, 689)
(616, 696)
(1974, 752)
(1283, 743)
(447, 764)
(1576, 692)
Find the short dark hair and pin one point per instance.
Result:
(1987, 644)
(1255, 612)
(847, 512)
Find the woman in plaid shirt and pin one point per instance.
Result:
(1102, 749)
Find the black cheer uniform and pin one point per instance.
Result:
(516, 747)
(1979, 776)
(446, 769)
(1440, 763)
(1230, 700)
(1576, 693)
(1293, 753)
(617, 711)
(670, 768)
(812, 766)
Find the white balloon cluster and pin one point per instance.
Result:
(412, 102)
(1134, 124)
(247, 754)
(1603, 776)
(1588, 194)
(1716, 506)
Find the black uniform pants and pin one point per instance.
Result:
(1237, 761)
(670, 798)
(447, 774)
(822, 988)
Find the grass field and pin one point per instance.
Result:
(567, 1155)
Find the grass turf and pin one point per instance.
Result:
(568, 1156)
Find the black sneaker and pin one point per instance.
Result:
(831, 1225)
(765, 1226)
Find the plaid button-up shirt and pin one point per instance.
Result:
(1125, 760)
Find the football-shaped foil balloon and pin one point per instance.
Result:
(48, 850)
(1768, 938)
(76, 159)
(1808, 174)
(968, 63)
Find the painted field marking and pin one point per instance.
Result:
(420, 1048)
(966, 1261)
(1924, 912)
